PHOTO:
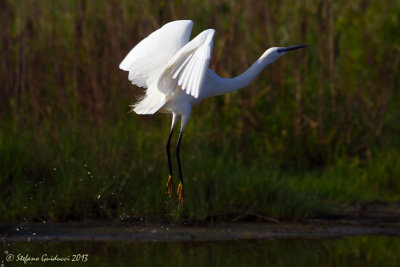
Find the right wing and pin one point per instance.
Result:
(188, 68)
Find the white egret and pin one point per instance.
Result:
(176, 74)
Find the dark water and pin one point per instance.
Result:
(349, 251)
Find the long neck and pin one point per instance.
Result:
(228, 85)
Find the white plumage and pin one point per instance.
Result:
(166, 60)
(189, 66)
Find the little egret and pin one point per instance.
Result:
(176, 74)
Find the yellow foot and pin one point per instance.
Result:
(180, 193)
(169, 185)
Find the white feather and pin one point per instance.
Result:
(147, 60)
(189, 66)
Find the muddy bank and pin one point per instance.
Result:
(218, 232)
(375, 213)
(374, 218)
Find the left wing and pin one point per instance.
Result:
(148, 58)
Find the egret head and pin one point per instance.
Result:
(274, 53)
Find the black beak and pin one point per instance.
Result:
(290, 48)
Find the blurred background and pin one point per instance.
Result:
(317, 131)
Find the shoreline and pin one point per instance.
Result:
(143, 232)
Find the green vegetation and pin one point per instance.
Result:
(317, 130)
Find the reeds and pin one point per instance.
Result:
(63, 99)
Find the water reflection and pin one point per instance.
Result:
(350, 251)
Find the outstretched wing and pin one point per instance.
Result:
(189, 66)
(149, 57)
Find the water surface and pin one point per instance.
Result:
(344, 251)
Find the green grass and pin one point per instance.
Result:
(59, 173)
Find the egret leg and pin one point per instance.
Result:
(185, 119)
(169, 182)
(180, 186)
(167, 147)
